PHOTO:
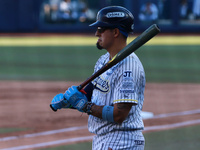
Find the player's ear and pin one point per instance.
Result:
(116, 32)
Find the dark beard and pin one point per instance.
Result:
(99, 46)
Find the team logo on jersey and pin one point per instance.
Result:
(102, 84)
(128, 75)
(126, 91)
(115, 14)
(127, 86)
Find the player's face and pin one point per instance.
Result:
(105, 38)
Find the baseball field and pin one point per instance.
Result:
(33, 69)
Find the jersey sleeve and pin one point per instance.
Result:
(129, 81)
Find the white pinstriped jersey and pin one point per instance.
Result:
(124, 82)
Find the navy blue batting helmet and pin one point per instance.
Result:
(115, 17)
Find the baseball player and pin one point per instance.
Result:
(113, 100)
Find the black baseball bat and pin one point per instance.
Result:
(131, 47)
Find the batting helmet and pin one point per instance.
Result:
(115, 17)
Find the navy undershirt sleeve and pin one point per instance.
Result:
(89, 89)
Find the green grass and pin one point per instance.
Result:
(79, 146)
(162, 63)
(47, 63)
(177, 139)
(186, 138)
(167, 63)
(9, 130)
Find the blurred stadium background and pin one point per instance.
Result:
(44, 40)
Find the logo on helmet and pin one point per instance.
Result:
(115, 14)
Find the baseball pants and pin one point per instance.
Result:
(119, 140)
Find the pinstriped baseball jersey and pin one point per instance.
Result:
(123, 83)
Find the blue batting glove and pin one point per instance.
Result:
(76, 98)
(59, 102)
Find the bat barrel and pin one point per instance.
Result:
(131, 47)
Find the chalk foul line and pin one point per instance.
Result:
(190, 112)
(171, 126)
(43, 133)
(85, 127)
(78, 139)
(45, 144)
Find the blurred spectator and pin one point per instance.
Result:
(51, 9)
(196, 9)
(163, 7)
(75, 11)
(148, 13)
(160, 8)
(65, 10)
(184, 10)
(86, 14)
(68, 11)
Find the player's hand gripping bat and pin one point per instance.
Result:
(131, 47)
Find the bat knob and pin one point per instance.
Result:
(53, 108)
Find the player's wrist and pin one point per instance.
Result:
(88, 108)
(107, 113)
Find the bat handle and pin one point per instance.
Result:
(79, 87)
(53, 108)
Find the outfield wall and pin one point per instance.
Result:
(28, 16)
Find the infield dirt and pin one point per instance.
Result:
(25, 105)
